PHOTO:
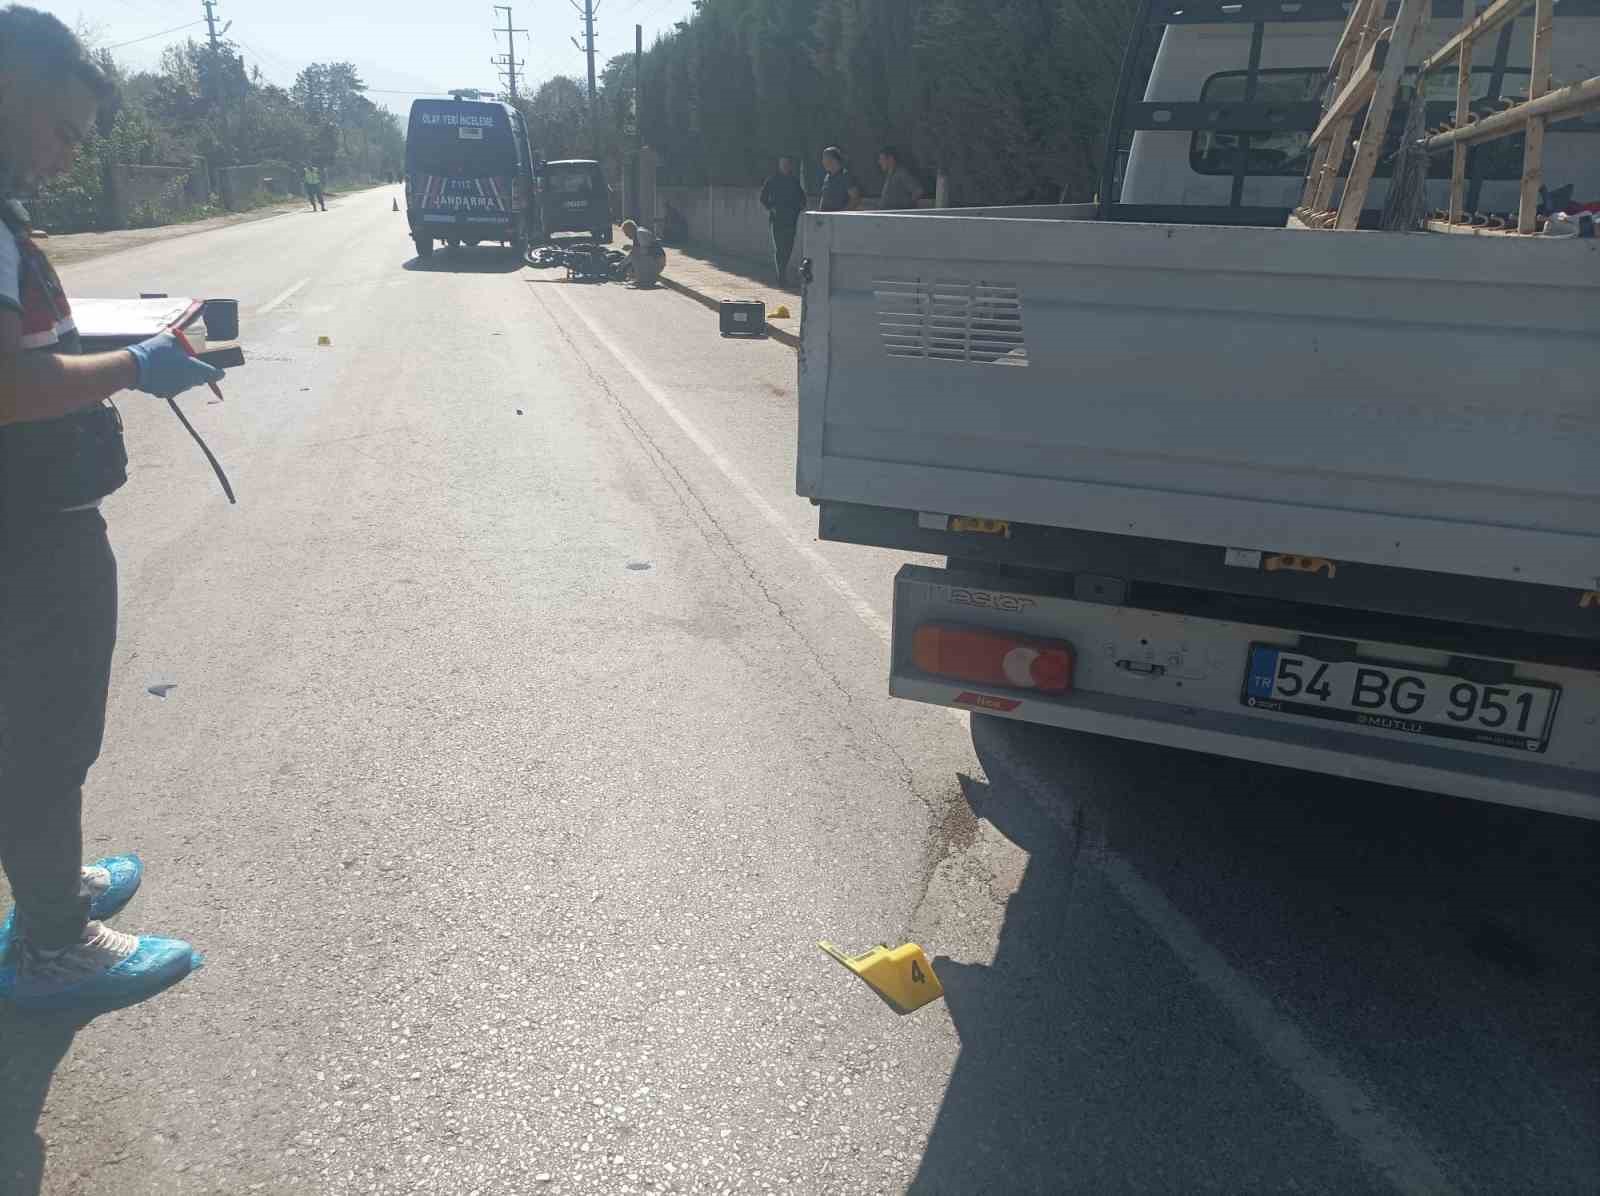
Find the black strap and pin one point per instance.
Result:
(216, 466)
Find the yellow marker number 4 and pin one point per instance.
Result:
(902, 976)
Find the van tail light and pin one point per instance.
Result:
(993, 658)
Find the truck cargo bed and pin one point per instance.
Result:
(1413, 401)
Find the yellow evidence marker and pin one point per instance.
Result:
(782, 313)
(323, 340)
(902, 976)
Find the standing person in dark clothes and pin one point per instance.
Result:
(839, 190)
(900, 186)
(61, 452)
(784, 198)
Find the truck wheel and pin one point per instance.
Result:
(424, 245)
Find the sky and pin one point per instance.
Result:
(402, 48)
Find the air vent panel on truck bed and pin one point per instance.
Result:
(951, 320)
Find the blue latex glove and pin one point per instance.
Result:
(166, 370)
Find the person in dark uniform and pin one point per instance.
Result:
(900, 186)
(839, 190)
(61, 452)
(784, 198)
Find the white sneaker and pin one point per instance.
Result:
(106, 967)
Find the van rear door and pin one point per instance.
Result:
(575, 198)
(461, 167)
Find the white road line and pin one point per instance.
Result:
(1381, 1139)
(1377, 1135)
(281, 299)
(863, 609)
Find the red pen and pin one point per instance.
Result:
(189, 349)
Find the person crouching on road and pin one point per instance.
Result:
(61, 452)
(646, 258)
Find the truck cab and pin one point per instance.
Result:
(1185, 153)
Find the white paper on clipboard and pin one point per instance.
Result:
(124, 321)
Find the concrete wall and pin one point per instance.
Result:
(729, 219)
(280, 178)
(236, 184)
(165, 187)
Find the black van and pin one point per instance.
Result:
(575, 198)
(469, 175)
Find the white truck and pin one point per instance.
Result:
(1317, 499)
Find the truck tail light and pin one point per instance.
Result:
(993, 658)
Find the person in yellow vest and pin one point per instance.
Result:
(314, 188)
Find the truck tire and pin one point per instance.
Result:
(424, 245)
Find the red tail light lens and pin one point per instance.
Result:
(993, 658)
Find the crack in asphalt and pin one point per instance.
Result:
(952, 826)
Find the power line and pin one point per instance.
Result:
(151, 36)
(263, 56)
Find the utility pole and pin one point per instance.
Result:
(215, 82)
(587, 10)
(211, 23)
(635, 174)
(509, 59)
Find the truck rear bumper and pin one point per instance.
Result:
(1179, 680)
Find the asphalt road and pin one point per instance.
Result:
(523, 741)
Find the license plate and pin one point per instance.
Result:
(1400, 698)
(576, 203)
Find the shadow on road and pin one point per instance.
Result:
(469, 259)
(1441, 952)
(31, 1049)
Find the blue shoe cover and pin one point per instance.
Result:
(126, 873)
(156, 965)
